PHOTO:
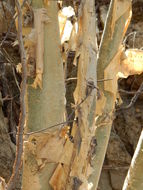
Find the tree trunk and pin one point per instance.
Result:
(117, 22)
(76, 161)
(134, 179)
(45, 108)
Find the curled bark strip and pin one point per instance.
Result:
(19, 147)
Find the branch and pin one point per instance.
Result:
(47, 128)
(134, 98)
(19, 146)
(134, 178)
(127, 92)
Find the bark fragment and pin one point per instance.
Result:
(116, 25)
(78, 168)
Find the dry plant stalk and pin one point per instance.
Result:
(19, 146)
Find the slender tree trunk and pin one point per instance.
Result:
(134, 179)
(45, 108)
(117, 22)
(76, 161)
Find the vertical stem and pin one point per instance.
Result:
(134, 179)
(19, 144)
(117, 18)
(46, 105)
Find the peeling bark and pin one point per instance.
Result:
(45, 108)
(76, 161)
(118, 19)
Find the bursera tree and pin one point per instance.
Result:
(57, 156)
(48, 158)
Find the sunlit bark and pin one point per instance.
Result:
(134, 179)
(76, 161)
(45, 107)
(117, 22)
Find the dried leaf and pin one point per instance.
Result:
(3, 185)
(37, 81)
(64, 131)
(58, 179)
(46, 146)
(132, 62)
(15, 43)
(19, 68)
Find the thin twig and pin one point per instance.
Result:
(11, 24)
(102, 80)
(7, 98)
(44, 129)
(10, 60)
(75, 78)
(134, 37)
(126, 37)
(110, 167)
(91, 87)
(14, 74)
(70, 79)
(47, 128)
(19, 144)
(62, 123)
(128, 92)
(134, 98)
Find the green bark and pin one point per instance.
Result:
(46, 106)
(112, 38)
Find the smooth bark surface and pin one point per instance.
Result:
(45, 108)
(134, 179)
(116, 25)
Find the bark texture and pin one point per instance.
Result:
(45, 108)
(76, 160)
(134, 179)
(127, 125)
(115, 28)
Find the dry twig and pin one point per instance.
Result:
(127, 92)
(110, 167)
(11, 24)
(19, 147)
(75, 78)
(134, 98)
